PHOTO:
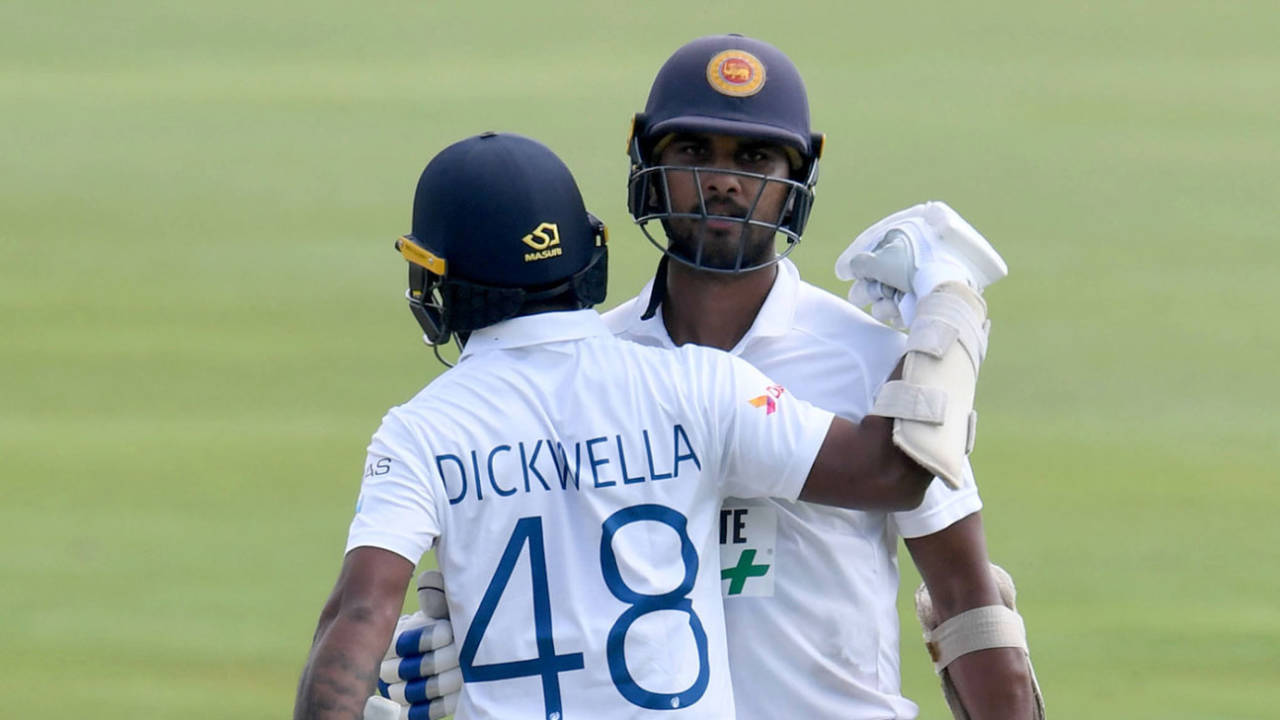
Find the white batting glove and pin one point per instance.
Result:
(904, 256)
(420, 678)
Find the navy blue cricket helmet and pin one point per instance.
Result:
(498, 223)
(725, 85)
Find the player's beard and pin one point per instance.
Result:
(721, 240)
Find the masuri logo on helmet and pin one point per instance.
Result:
(548, 237)
(469, 265)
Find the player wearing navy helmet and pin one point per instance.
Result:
(704, 163)
(458, 282)
(569, 482)
(749, 95)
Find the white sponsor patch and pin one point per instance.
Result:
(748, 535)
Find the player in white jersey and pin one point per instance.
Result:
(570, 482)
(805, 586)
(791, 569)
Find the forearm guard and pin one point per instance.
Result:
(932, 405)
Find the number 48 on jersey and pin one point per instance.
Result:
(548, 665)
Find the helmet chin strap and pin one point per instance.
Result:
(659, 292)
(435, 350)
(457, 339)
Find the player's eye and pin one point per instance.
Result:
(758, 156)
(691, 150)
(681, 151)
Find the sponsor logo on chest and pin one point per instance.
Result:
(748, 538)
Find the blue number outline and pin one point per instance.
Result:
(547, 664)
(642, 604)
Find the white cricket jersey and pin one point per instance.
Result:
(571, 485)
(810, 591)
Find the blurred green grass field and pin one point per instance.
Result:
(201, 314)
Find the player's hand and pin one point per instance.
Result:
(904, 256)
(420, 678)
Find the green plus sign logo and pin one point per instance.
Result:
(738, 574)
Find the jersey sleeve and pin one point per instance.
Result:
(770, 437)
(396, 510)
(941, 507)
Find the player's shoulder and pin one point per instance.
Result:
(824, 317)
(456, 388)
(422, 407)
(689, 360)
(622, 315)
(627, 321)
(688, 368)
(820, 312)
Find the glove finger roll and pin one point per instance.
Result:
(447, 682)
(413, 667)
(424, 639)
(865, 292)
(404, 624)
(441, 659)
(428, 689)
(886, 311)
(434, 709)
(405, 693)
(431, 596)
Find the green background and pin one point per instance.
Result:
(201, 314)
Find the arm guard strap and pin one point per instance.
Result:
(992, 626)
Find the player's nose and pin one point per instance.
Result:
(719, 178)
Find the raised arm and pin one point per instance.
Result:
(352, 635)
(922, 423)
(859, 466)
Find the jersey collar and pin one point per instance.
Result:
(775, 318)
(536, 329)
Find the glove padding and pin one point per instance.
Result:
(419, 678)
(903, 257)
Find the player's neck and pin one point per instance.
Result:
(713, 309)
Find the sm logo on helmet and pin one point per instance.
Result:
(545, 241)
